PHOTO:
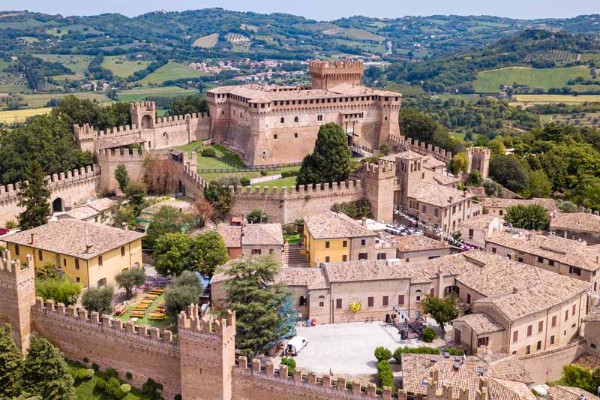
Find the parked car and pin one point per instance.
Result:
(294, 346)
(4, 231)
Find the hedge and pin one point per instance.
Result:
(384, 374)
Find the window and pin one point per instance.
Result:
(40, 255)
(483, 341)
(520, 259)
(573, 309)
(370, 301)
(529, 330)
(566, 315)
(326, 245)
(295, 119)
(436, 212)
(541, 260)
(551, 263)
(16, 249)
(515, 336)
(432, 292)
(296, 134)
(78, 279)
(401, 300)
(363, 256)
(540, 326)
(493, 250)
(554, 321)
(363, 242)
(100, 261)
(471, 233)
(282, 120)
(338, 303)
(528, 349)
(386, 300)
(575, 271)
(275, 136)
(319, 117)
(539, 345)
(500, 212)
(327, 259)
(64, 262)
(256, 252)
(344, 258)
(468, 298)
(423, 209)
(552, 339)
(321, 301)
(345, 243)
(381, 256)
(77, 263)
(122, 251)
(271, 251)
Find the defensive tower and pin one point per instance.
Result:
(327, 74)
(143, 114)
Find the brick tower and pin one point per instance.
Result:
(207, 351)
(380, 183)
(17, 295)
(327, 74)
(143, 115)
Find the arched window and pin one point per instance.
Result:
(295, 119)
(282, 120)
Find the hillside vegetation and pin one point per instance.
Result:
(536, 78)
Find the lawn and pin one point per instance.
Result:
(145, 320)
(283, 182)
(171, 71)
(122, 67)
(77, 64)
(19, 116)
(531, 99)
(547, 78)
(207, 42)
(140, 94)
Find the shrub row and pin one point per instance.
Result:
(384, 374)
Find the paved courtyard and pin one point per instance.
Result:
(345, 348)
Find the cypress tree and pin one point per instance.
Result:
(11, 365)
(46, 373)
(33, 196)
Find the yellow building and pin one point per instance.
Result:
(91, 254)
(334, 237)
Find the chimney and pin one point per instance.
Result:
(31, 242)
(88, 248)
(515, 290)
(364, 221)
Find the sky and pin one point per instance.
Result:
(321, 9)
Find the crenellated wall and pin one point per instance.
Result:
(286, 204)
(110, 159)
(73, 188)
(402, 143)
(144, 351)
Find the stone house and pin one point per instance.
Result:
(330, 237)
(419, 247)
(89, 253)
(97, 211)
(576, 226)
(252, 239)
(551, 253)
(498, 206)
(476, 230)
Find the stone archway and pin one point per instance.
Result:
(181, 188)
(147, 122)
(57, 205)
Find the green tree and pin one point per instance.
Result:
(11, 364)
(255, 297)
(167, 220)
(61, 290)
(567, 206)
(423, 128)
(98, 299)
(574, 375)
(382, 353)
(124, 217)
(33, 196)
(459, 163)
(136, 193)
(47, 271)
(188, 105)
(441, 310)
(533, 216)
(475, 179)
(330, 160)
(174, 254)
(290, 363)
(183, 290)
(385, 376)
(219, 195)
(122, 176)
(257, 217)
(130, 278)
(210, 252)
(539, 184)
(509, 172)
(497, 146)
(46, 373)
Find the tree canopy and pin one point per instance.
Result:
(441, 310)
(11, 365)
(532, 216)
(183, 290)
(98, 299)
(188, 105)
(130, 278)
(61, 290)
(33, 197)
(330, 160)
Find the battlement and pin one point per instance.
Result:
(403, 143)
(191, 322)
(327, 74)
(122, 154)
(13, 269)
(385, 169)
(177, 120)
(478, 150)
(320, 190)
(86, 132)
(71, 315)
(148, 105)
(336, 66)
(325, 384)
(449, 392)
(8, 193)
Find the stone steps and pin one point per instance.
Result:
(292, 256)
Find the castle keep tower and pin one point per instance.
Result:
(326, 74)
(143, 115)
(18, 295)
(207, 353)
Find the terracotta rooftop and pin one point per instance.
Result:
(232, 235)
(91, 209)
(312, 278)
(445, 180)
(510, 368)
(480, 221)
(579, 221)
(331, 225)
(100, 205)
(262, 234)
(490, 202)
(569, 393)
(416, 243)
(565, 251)
(480, 323)
(72, 237)
(436, 194)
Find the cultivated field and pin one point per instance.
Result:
(140, 94)
(122, 67)
(77, 64)
(19, 116)
(582, 119)
(352, 33)
(207, 42)
(41, 99)
(171, 71)
(490, 81)
(531, 99)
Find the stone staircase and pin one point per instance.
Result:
(292, 256)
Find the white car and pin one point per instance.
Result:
(294, 346)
